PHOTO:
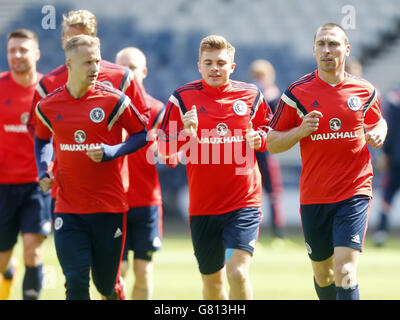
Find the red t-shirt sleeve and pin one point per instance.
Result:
(32, 114)
(131, 119)
(43, 125)
(135, 93)
(260, 121)
(285, 117)
(373, 112)
(171, 134)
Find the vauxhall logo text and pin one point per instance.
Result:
(78, 147)
(334, 135)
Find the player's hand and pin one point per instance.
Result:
(310, 123)
(374, 139)
(252, 137)
(95, 153)
(190, 121)
(46, 183)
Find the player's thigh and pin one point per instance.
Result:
(73, 245)
(106, 242)
(350, 222)
(10, 201)
(35, 215)
(316, 220)
(241, 228)
(209, 250)
(238, 264)
(143, 230)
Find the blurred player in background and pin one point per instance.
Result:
(118, 77)
(389, 160)
(22, 203)
(263, 73)
(353, 66)
(86, 119)
(144, 218)
(327, 111)
(219, 123)
(390, 164)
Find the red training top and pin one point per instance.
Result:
(17, 158)
(336, 163)
(144, 185)
(222, 171)
(85, 186)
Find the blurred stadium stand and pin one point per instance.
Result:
(169, 32)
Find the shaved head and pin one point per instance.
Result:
(135, 60)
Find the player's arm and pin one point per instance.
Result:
(43, 148)
(375, 134)
(256, 133)
(374, 124)
(131, 120)
(107, 152)
(39, 94)
(289, 125)
(171, 135)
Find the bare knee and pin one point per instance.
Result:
(324, 278)
(237, 275)
(33, 249)
(345, 266)
(143, 270)
(324, 272)
(345, 274)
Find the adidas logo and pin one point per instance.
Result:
(315, 104)
(117, 233)
(59, 117)
(252, 243)
(202, 110)
(356, 239)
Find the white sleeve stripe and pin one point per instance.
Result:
(121, 110)
(288, 101)
(259, 102)
(128, 81)
(372, 102)
(41, 91)
(292, 104)
(42, 119)
(174, 100)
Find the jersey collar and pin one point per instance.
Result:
(327, 84)
(216, 91)
(81, 98)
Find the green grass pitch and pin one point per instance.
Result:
(279, 271)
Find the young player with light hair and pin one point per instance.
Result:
(224, 122)
(85, 118)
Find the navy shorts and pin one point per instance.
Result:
(23, 208)
(215, 236)
(341, 224)
(143, 232)
(87, 242)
